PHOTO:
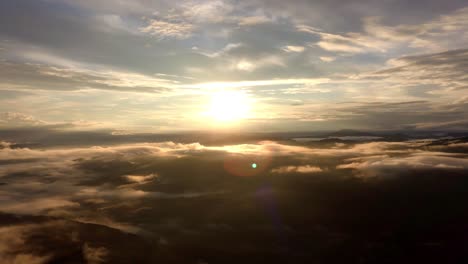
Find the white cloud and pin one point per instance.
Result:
(244, 65)
(350, 43)
(383, 165)
(167, 29)
(253, 20)
(226, 49)
(293, 48)
(12, 119)
(40, 76)
(376, 37)
(308, 29)
(327, 59)
(202, 11)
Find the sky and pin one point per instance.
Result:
(168, 66)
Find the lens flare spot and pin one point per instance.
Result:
(243, 165)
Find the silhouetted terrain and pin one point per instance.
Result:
(325, 201)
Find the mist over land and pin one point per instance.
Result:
(339, 198)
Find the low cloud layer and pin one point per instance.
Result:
(174, 193)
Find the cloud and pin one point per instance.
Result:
(203, 11)
(443, 73)
(245, 66)
(38, 206)
(21, 121)
(228, 48)
(140, 178)
(452, 125)
(256, 83)
(294, 48)
(327, 59)
(253, 20)
(376, 37)
(297, 169)
(308, 65)
(340, 43)
(12, 240)
(103, 220)
(184, 191)
(64, 179)
(444, 69)
(38, 240)
(425, 92)
(184, 19)
(95, 255)
(44, 77)
(111, 6)
(165, 29)
(13, 119)
(249, 66)
(385, 165)
(118, 57)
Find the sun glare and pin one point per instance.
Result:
(229, 106)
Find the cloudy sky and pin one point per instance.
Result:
(95, 95)
(288, 65)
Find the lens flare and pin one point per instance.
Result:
(242, 165)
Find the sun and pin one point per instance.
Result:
(228, 106)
